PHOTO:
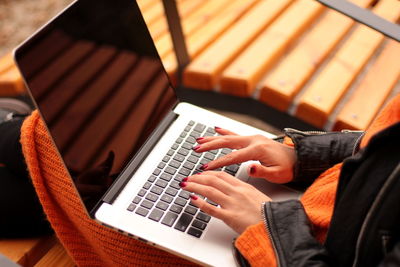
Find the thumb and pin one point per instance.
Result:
(270, 174)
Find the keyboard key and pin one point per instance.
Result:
(170, 170)
(176, 208)
(184, 171)
(233, 168)
(131, 207)
(156, 215)
(226, 151)
(167, 198)
(195, 135)
(179, 141)
(210, 130)
(142, 192)
(193, 159)
(156, 190)
(162, 205)
(214, 151)
(204, 161)
(183, 222)
(199, 127)
(179, 177)
(175, 146)
(199, 224)
(180, 201)
(161, 165)
(203, 217)
(184, 194)
(161, 183)
(188, 165)
(151, 197)
(166, 177)
(142, 211)
(136, 200)
(156, 172)
(183, 134)
(171, 191)
(151, 179)
(179, 158)
(187, 146)
(147, 204)
(209, 156)
(191, 140)
(191, 210)
(169, 219)
(187, 128)
(195, 154)
(170, 152)
(191, 123)
(175, 184)
(165, 159)
(211, 202)
(175, 164)
(195, 232)
(147, 185)
(183, 151)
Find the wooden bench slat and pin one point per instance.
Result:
(115, 109)
(153, 13)
(91, 96)
(185, 8)
(56, 256)
(209, 33)
(326, 90)
(145, 4)
(241, 77)
(6, 63)
(198, 18)
(288, 77)
(11, 83)
(26, 252)
(203, 72)
(372, 92)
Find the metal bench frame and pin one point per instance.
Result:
(250, 106)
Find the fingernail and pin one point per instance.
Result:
(194, 197)
(199, 139)
(199, 173)
(204, 167)
(252, 170)
(182, 184)
(185, 179)
(195, 148)
(217, 128)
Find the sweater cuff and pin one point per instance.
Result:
(255, 245)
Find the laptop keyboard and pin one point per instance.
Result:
(162, 200)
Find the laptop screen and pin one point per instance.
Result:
(100, 86)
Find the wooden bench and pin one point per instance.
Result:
(297, 57)
(40, 252)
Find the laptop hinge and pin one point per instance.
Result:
(127, 173)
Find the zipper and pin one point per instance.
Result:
(374, 207)
(268, 229)
(291, 130)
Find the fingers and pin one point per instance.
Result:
(223, 131)
(216, 142)
(234, 157)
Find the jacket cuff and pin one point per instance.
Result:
(318, 151)
(254, 244)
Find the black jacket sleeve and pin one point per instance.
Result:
(318, 151)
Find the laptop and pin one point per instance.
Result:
(96, 78)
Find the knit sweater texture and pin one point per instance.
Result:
(86, 241)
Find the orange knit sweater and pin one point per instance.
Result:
(87, 242)
(318, 200)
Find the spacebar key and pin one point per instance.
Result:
(183, 222)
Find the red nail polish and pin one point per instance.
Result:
(199, 139)
(185, 179)
(217, 128)
(194, 197)
(182, 184)
(252, 170)
(195, 148)
(204, 167)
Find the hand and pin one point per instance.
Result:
(277, 160)
(240, 203)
